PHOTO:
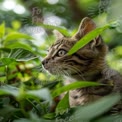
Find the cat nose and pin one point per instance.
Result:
(45, 61)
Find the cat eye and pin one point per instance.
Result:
(61, 52)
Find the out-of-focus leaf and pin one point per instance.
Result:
(34, 118)
(7, 110)
(95, 109)
(63, 105)
(23, 120)
(117, 118)
(41, 93)
(5, 50)
(49, 116)
(51, 85)
(4, 101)
(6, 61)
(15, 36)
(20, 54)
(72, 86)
(2, 30)
(119, 28)
(19, 45)
(9, 90)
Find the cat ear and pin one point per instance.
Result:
(58, 34)
(85, 27)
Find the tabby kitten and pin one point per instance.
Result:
(87, 64)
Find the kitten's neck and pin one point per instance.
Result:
(90, 76)
(93, 74)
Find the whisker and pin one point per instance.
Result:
(74, 69)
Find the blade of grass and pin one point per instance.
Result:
(88, 37)
(73, 86)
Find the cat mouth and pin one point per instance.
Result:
(52, 71)
(45, 67)
(57, 70)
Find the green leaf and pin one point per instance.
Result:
(6, 61)
(117, 118)
(19, 45)
(95, 109)
(6, 113)
(72, 86)
(7, 110)
(7, 50)
(15, 36)
(62, 30)
(49, 116)
(2, 30)
(9, 90)
(41, 93)
(23, 120)
(35, 118)
(63, 105)
(20, 54)
(50, 85)
(87, 38)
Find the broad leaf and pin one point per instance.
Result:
(6, 61)
(33, 120)
(49, 116)
(19, 45)
(7, 50)
(15, 36)
(20, 54)
(41, 93)
(7, 110)
(95, 109)
(63, 105)
(72, 86)
(9, 90)
(117, 118)
(23, 120)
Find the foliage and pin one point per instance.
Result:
(25, 97)
(27, 92)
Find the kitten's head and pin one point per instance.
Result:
(89, 58)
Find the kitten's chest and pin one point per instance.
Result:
(89, 94)
(79, 98)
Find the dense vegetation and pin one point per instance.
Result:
(27, 92)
